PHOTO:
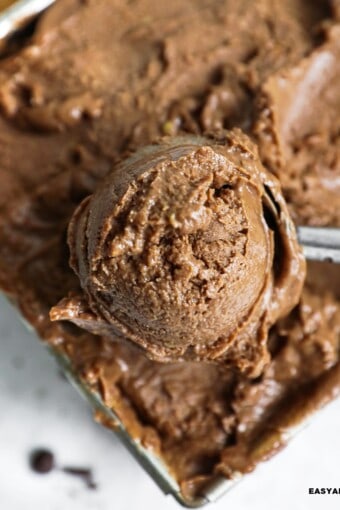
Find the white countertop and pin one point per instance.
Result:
(40, 409)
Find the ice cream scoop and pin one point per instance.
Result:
(187, 250)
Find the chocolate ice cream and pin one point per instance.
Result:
(103, 78)
(188, 250)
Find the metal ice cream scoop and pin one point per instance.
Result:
(320, 243)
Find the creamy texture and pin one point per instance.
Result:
(102, 78)
(298, 140)
(175, 251)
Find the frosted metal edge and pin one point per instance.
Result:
(151, 462)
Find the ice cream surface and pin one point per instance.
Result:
(100, 79)
(175, 251)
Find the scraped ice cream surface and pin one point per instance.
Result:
(141, 146)
(175, 251)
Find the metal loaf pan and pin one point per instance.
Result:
(12, 19)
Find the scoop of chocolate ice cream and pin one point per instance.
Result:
(187, 250)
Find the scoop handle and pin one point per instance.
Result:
(320, 243)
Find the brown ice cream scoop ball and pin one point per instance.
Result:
(187, 250)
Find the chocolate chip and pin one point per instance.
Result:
(41, 461)
(83, 473)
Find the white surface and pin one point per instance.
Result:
(39, 408)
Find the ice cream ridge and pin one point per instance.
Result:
(187, 250)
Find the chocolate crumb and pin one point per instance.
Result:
(85, 474)
(42, 461)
